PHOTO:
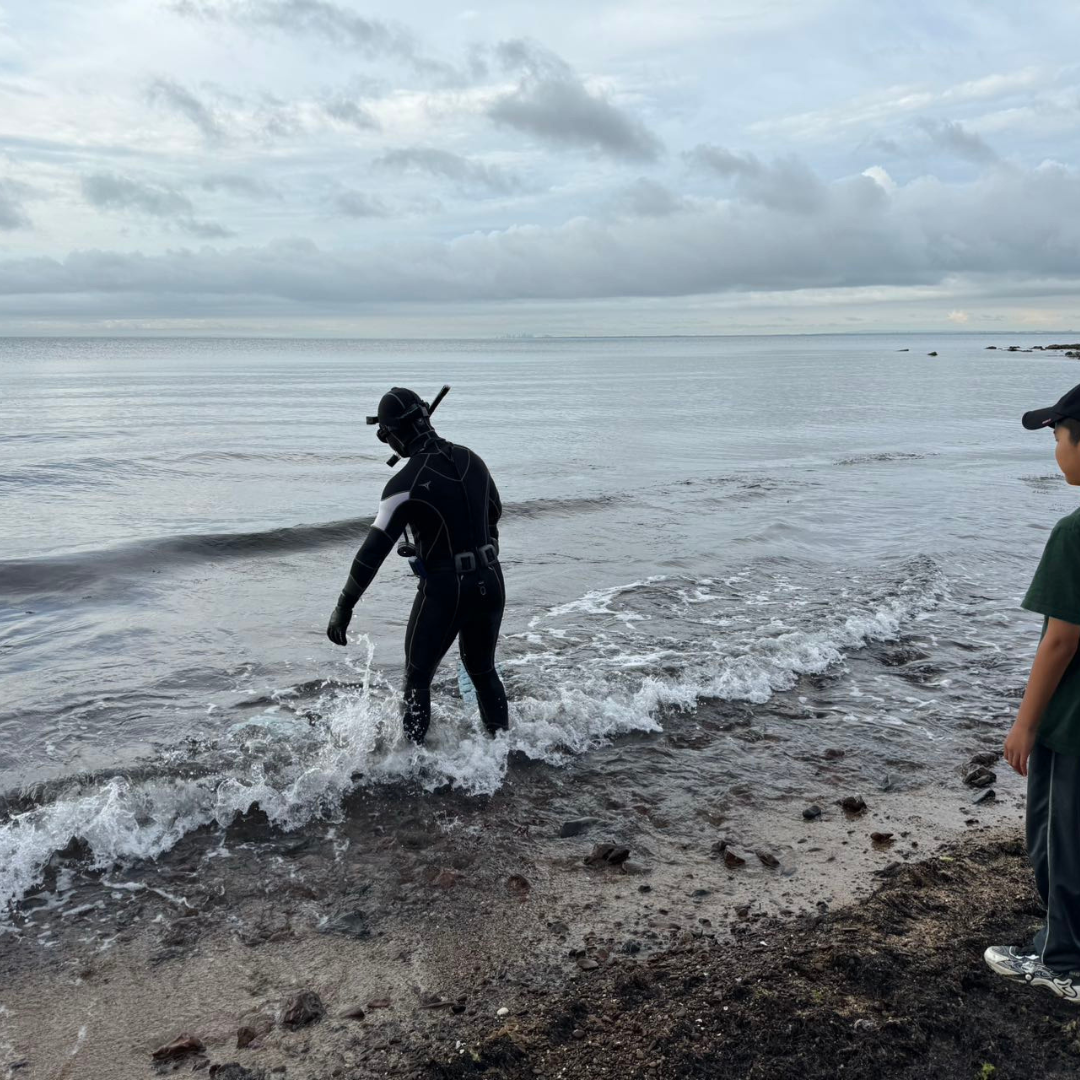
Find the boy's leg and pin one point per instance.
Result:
(1061, 941)
(1036, 818)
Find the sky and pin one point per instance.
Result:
(422, 169)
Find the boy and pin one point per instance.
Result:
(1044, 743)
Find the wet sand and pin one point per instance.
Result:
(431, 924)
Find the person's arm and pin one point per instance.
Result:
(1055, 653)
(379, 542)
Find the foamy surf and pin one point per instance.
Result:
(584, 673)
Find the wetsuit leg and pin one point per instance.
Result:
(479, 634)
(433, 624)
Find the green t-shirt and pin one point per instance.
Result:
(1055, 593)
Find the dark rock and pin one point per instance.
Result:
(742, 910)
(812, 812)
(233, 1071)
(833, 754)
(1013, 348)
(768, 859)
(303, 1008)
(903, 350)
(446, 878)
(517, 883)
(253, 1026)
(732, 861)
(985, 757)
(351, 924)
(355, 1013)
(853, 804)
(180, 1047)
(882, 839)
(577, 827)
(985, 796)
(1076, 345)
(644, 888)
(979, 776)
(991, 346)
(931, 354)
(586, 963)
(631, 947)
(609, 854)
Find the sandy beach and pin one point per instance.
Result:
(447, 950)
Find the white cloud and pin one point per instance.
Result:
(1008, 223)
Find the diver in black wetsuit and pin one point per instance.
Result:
(446, 498)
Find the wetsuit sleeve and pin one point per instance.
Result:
(379, 542)
(494, 511)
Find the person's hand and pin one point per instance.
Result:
(1018, 746)
(339, 623)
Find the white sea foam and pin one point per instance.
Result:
(572, 690)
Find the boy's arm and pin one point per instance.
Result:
(1055, 653)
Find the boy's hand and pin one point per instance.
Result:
(1018, 746)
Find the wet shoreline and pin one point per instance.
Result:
(446, 908)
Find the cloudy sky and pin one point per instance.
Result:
(417, 169)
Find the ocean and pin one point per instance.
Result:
(723, 557)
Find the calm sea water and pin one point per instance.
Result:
(826, 537)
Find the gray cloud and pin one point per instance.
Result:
(1007, 224)
(348, 112)
(357, 204)
(179, 99)
(342, 27)
(552, 104)
(237, 184)
(12, 214)
(787, 184)
(646, 198)
(107, 191)
(951, 136)
(464, 172)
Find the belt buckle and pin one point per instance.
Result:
(465, 562)
(488, 554)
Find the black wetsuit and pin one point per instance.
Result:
(446, 498)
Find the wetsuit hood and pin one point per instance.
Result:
(403, 419)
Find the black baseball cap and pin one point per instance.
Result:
(1067, 408)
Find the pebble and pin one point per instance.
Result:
(853, 804)
(733, 861)
(986, 795)
(767, 858)
(577, 826)
(812, 812)
(179, 1047)
(302, 1008)
(504, 1011)
(979, 776)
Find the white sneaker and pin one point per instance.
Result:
(1014, 963)
(1010, 961)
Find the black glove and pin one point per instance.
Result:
(339, 623)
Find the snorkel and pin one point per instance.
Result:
(388, 434)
